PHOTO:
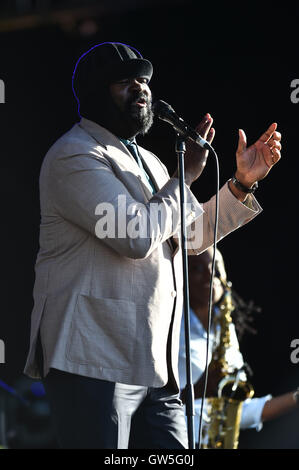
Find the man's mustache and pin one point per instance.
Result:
(139, 97)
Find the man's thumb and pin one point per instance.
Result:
(242, 141)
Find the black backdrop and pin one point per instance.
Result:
(238, 65)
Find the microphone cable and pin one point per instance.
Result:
(166, 113)
(210, 296)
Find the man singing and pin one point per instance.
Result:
(108, 289)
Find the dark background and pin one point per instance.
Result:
(235, 62)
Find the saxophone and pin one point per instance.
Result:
(223, 412)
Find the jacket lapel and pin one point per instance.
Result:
(125, 164)
(119, 153)
(154, 168)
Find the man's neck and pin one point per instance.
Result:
(128, 140)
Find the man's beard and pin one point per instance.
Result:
(125, 123)
(132, 119)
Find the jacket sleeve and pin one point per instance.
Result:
(85, 191)
(232, 215)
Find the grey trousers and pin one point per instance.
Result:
(96, 414)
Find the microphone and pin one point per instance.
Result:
(166, 113)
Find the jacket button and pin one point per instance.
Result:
(173, 293)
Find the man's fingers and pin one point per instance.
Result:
(204, 126)
(273, 158)
(275, 155)
(242, 141)
(276, 136)
(269, 133)
(274, 145)
(211, 135)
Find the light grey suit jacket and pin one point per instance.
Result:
(106, 307)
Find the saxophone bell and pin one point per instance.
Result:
(224, 410)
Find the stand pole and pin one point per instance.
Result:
(180, 150)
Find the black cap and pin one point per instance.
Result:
(105, 63)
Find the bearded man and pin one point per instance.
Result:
(108, 290)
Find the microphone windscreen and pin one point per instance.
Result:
(161, 108)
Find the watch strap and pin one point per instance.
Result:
(243, 188)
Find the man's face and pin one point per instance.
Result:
(133, 98)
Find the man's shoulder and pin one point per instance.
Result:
(73, 142)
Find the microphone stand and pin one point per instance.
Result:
(180, 149)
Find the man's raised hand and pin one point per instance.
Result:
(255, 162)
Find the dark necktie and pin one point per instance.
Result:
(132, 147)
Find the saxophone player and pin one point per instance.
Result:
(255, 411)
